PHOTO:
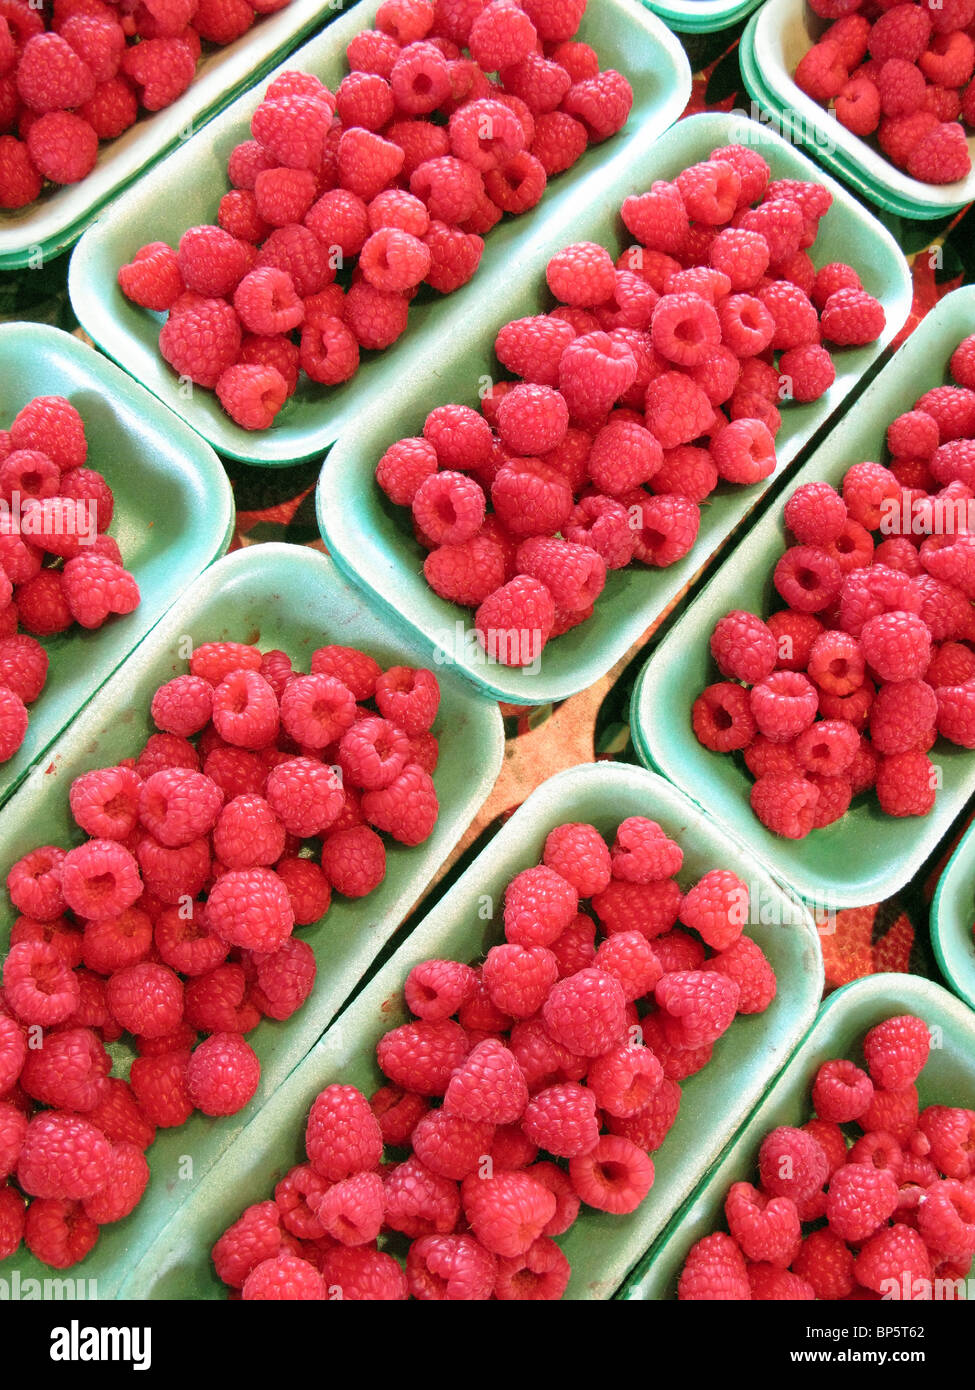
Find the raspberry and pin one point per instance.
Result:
(284, 1276)
(419, 1202)
(786, 805)
(897, 645)
(783, 705)
(563, 1120)
(717, 908)
(51, 76)
(697, 1006)
(448, 507)
(625, 1080)
(146, 999)
(518, 977)
(449, 1145)
(514, 622)
(857, 107)
(765, 1229)
(161, 69)
(63, 1156)
(58, 1232)
(342, 1135)
(291, 130)
(577, 852)
(354, 860)
(714, 1270)
(298, 252)
(946, 1220)
(68, 1073)
(407, 808)
(841, 1092)
(222, 1074)
(685, 328)
(956, 714)
(896, 1051)
(745, 963)
(152, 279)
(532, 347)
(722, 718)
(507, 1212)
(743, 647)
(421, 1057)
(100, 879)
(821, 72)
(860, 1198)
(250, 908)
(897, 1252)
(583, 274)
(642, 852)
(177, 805)
(159, 1085)
(668, 527)
(586, 1012)
(677, 409)
(201, 340)
(34, 883)
(20, 182)
(613, 1176)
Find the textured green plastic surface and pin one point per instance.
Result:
(626, 36)
(278, 596)
(174, 511)
(600, 1247)
(953, 920)
(49, 226)
(373, 541)
(701, 16)
(886, 850)
(776, 38)
(844, 1019)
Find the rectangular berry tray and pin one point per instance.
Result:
(887, 851)
(953, 920)
(174, 511)
(776, 38)
(38, 233)
(626, 37)
(701, 16)
(843, 1021)
(277, 596)
(373, 541)
(600, 1247)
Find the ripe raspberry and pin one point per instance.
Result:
(766, 1229)
(448, 507)
(488, 1087)
(222, 1074)
(562, 1119)
(586, 1012)
(421, 1057)
(791, 1164)
(159, 1085)
(68, 1072)
(284, 1277)
(613, 1176)
(827, 748)
(63, 1156)
(419, 1202)
(518, 978)
(860, 1198)
(897, 1252)
(58, 1232)
(507, 1212)
(407, 808)
(745, 963)
(354, 860)
(538, 906)
(668, 527)
(841, 1092)
(956, 714)
(100, 879)
(170, 874)
(161, 69)
(514, 622)
(123, 1191)
(95, 586)
(20, 181)
(722, 718)
(601, 103)
(578, 853)
(743, 647)
(200, 341)
(714, 1270)
(34, 883)
(152, 279)
(783, 705)
(250, 908)
(786, 805)
(677, 409)
(178, 805)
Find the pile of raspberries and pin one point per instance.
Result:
(901, 73)
(77, 72)
(176, 917)
(874, 654)
(393, 180)
(54, 571)
(529, 1084)
(891, 1216)
(657, 378)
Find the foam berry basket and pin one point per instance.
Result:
(174, 512)
(626, 37)
(947, 1079)
(373, 542)
(953, 920)
(277, 596)
(53, 223)
(776, 38)
(701, 16)
(601, 1248)
(889, 850)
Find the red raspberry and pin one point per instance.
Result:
(902, 717)
(305, 795)
(514, 622)
(601, 103)
(421, 1057)
(63, 1156)
(161, 69)
(949, 1132)
(860, 1198)
(58, 1232)
(200, 341)
(595, 370)
(342, 1135)
(791, 1164)
(643, 852)
(657, 218)
(214, 660)
(113, 942)
(841, 1092)
(717, 908)
(448, 507)
(852, 317)
(902, 32)
(586, 1012)
(538, 906)
(436, 989)
(159, 1085)
(836, 663)
(766, 1229)
(532, 347)
(559, 141)
(698, 1006)
(710, 191)
(212, 262)
(626, 1080)
(100, 879)
(946, 1220)
(563, 1120)
(785, 804)
(284, 1277)
(398, 1113)
(354, 860)
(897, 645)
(714, 1270)
(419, 1202)
(153, 278)
(407, 808)
(821, 72)
(183, 705)
(68, 1072)
(41, 608)
(34, 883)
(222, 1074)
(541, 1274)
(668, 527)
(146, 999)
(578, 853)
(507, 1212)
(743, 647)
(783, 704)
(12, 1220)
(745, 963)
(827, 748)
(489, 1087)
(215, 1001)
(896, 1051)
(51, 76)
(450, 1145)
(685, 329)
(13, 1051)
(123, 1192)
(623, 456)
(178, 805)
(250, 908)
(614, 1176)
(722, 717)
(185, 943)
(678, 410)
(518, 978)
(248, 834)
(857, 107)
(351, 1211)
(20, 182)
(95, 586)
(583, 274)
(897, 1253)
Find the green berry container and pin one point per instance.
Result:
(866, 856)
(953, 920)
(843, 1021)
(701, 16)
(776, 38)
(31, 236)
(626, 37)
(373, 541)
(174, 512)
(464, 924)
(278, 596)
